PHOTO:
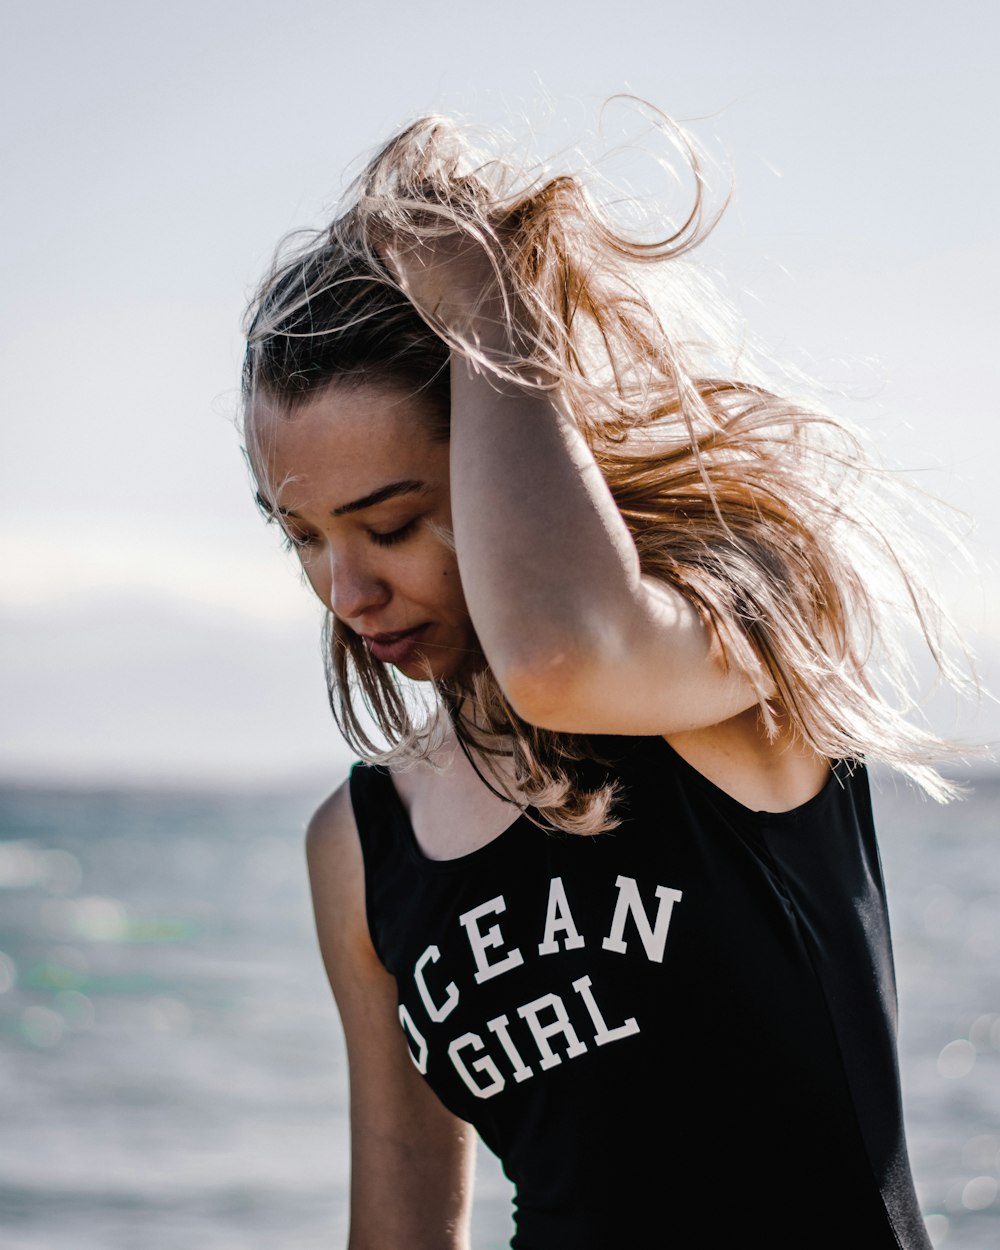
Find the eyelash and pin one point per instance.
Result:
(394, 536)
(291, 542)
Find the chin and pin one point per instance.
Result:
(418, 672)
(426, 668)
(423, 668)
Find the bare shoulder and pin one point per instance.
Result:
(333, 848)
(337, 880)
(332, 832)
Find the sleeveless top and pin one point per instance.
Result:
(680, 1033)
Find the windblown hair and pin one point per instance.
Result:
(768, 514)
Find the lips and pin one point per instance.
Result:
(395, 648)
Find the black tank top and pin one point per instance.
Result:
(677, 1034)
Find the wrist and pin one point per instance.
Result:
(499, 367)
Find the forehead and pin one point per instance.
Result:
(343, 442)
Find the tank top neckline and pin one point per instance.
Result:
(659, 750)
(455, 863)
(839, 772)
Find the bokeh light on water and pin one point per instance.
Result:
(172, 1062)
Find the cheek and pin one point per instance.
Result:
(318, 579)
(451, 585)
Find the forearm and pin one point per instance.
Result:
(548, 566)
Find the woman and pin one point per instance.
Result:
(612, 895)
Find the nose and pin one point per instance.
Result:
(353, 588)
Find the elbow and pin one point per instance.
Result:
(548, 687)
(561, 674)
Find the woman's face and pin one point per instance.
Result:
(359, 487)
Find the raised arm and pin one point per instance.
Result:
(411, 1160)
(579, 640)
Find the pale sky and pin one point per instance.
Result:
(154, 154)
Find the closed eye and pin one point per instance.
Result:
(290, 540)
(296, 542)
(394, 536)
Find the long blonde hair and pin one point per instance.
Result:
(767, 513)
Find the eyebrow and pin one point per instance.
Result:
(408, 486)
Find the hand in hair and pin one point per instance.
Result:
(455, 278)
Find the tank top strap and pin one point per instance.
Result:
(382, 833)
(367, 797)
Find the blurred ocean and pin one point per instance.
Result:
(172, 1067)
